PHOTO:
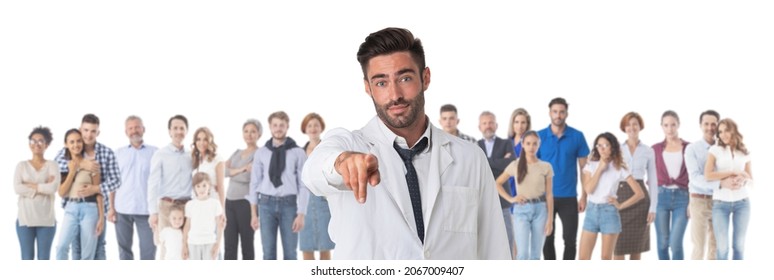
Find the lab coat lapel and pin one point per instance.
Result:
(440, 159)
(392, 171)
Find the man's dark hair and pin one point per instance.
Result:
(448, 108)
(90, 118)
(387, 41)
(177, 117)
(559, 100)
(711, 113)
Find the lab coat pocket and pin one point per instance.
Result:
(460, 209)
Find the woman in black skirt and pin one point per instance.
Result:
(635, 220)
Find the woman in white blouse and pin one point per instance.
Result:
(601, 177)
(729, 158)
(641, 160)
(205, 159)
(35, 182)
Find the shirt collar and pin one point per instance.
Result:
(392, 137)
(175, 149)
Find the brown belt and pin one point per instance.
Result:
(176, 201)
(704, 196)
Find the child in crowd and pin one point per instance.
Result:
(203, 227)
(171, 238)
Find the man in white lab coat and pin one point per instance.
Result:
(431, 196)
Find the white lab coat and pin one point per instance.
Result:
(462, 214)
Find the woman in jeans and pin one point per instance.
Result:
(534, 200)
(601, 177)
(83, 216)
(35, 181)
(672, 207)
(238, 212)
(729, 158)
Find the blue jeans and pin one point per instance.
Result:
(508, 217)
(530, 229)
(671, 222)
(125, 234)
(27, 237)
(721, 210)
(79, 223)
(100, 253)
(274, 213)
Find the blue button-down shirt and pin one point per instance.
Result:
(695, 158)
(134, 163)
(291, 177)
(563, 153)
(109, 172)
(170, 176)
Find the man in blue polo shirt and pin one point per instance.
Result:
(562, 146)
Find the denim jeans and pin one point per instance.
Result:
(740, 212)
(125, 234)
(671, 222)
(278, 213)
(79, 223)
(28, 237)
(530, 229)
(100, 249)
(602, 218)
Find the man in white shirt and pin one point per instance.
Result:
(700, 204)
(432, 194)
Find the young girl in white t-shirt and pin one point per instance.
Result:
(601, 178)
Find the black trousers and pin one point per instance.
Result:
(238, 227)
(567, 208)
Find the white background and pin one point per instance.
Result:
(222, 62)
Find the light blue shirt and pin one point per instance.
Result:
(134, 163)
(291, 177)
(170, 176)
(489, 144)
(695, 158)
(642, 163)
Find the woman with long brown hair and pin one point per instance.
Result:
(729, 158)
(535, 198)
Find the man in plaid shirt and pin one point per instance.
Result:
(97, 158)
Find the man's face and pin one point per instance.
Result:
(709, 126)
(177, 131)
(89, 131)
(135, 130)
(487, 125)
(397, 87)
(449, 122)
(279, 128)
(558, 114)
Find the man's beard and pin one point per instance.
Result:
(415, 106)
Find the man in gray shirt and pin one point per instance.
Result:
(169, 183)
(275, 182)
